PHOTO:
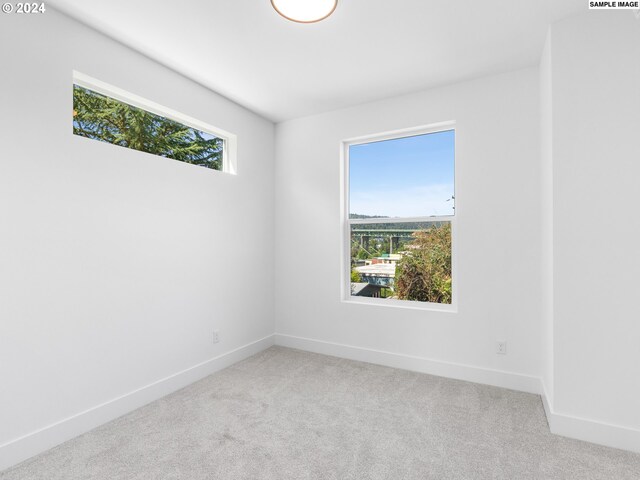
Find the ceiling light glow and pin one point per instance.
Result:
(305, 11)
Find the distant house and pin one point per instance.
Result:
(380, 273)
(390, 258)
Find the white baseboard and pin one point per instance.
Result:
(589, 430)
(470, 373)
(560, 424)
(20, 449)
(578, 428)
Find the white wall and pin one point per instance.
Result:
(498, 234)
(596, 167)
(115, 265)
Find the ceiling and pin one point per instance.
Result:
(367, 50)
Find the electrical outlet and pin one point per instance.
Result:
(501, 347)
(216, 336)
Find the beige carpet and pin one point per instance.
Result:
(287, 414)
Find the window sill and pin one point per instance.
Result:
(405, 304)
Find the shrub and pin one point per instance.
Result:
(355, 276)
(424, 273)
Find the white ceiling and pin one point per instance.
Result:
(367, 50)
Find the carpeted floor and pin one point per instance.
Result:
(287, 414)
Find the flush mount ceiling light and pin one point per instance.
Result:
(305, 11)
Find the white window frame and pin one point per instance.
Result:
(230, 141)
(346, 223)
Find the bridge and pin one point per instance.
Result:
(405, 233)
(365, 234)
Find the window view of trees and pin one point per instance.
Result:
(401, 209)
(109, 120)
(424, 272)
(406, 261)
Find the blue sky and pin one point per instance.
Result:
(403, 177)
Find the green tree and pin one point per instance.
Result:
(424, 273)
(109, 120)
(362, 254)
(355, 276)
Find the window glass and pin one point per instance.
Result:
(410, 178)
(109, 120)
(403, 177)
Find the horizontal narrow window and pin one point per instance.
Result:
(99, 116)
(399, 213)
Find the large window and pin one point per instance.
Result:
(399, 217)
(108, 114)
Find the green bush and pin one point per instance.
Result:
(424, 273)
(355, 276)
